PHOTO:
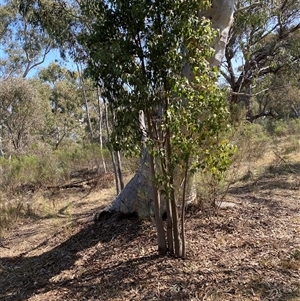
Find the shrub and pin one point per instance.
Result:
(211, 190)
(252, 142)
(10, 212)
(46, 167)
(281, 128)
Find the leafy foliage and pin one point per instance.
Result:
(25, 44)
(138, 53)
(22, 112)
(65, 99)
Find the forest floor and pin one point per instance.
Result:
(249, 250)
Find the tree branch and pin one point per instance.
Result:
(262, 114)
(241, 9)
(249, 95)
(29, 67)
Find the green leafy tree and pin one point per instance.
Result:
(22, 113)
(24, 43)
(151, 59)
(65, 100)
(141, 51)
(281, 94)
(61, 20)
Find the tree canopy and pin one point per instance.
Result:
(263, 44)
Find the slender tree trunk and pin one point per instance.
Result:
(85, 102)
(112, 152)
(1, 150)
(119, 170)
(100, 115)
(183, 209)
(248, 102)
(59, 140)
(162, 248)
(171, 193)
(169, 227)
(113, 160)
(176, 235)
(118, 161)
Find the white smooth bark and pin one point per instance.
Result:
(221, 14)
(137, 196)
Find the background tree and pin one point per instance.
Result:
(263, 41)
(281, 94)
(25, 44)
(66, 104)
(22, 113)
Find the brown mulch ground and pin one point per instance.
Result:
(247, 252)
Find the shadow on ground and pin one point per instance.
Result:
(243, 253)
(112, 260)
(284, 176)
(25, 276)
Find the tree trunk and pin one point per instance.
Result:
(113, 160)
(221, 16)
(183, 209)
(137, 196)
(100, 115)
(162, 247)
(85, 102)
(119, 170)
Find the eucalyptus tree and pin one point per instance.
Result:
(23, 41)
(23, 112)
(66, 104)
(152, 59)
(263, 43)
(154, 62)
(277, 95)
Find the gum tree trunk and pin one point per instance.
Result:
(137, 195)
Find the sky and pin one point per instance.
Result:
(53, 56)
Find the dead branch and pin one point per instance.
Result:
(249, 95)
(285, 162)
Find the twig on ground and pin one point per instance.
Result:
(285, 161)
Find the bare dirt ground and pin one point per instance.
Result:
(250, 251)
